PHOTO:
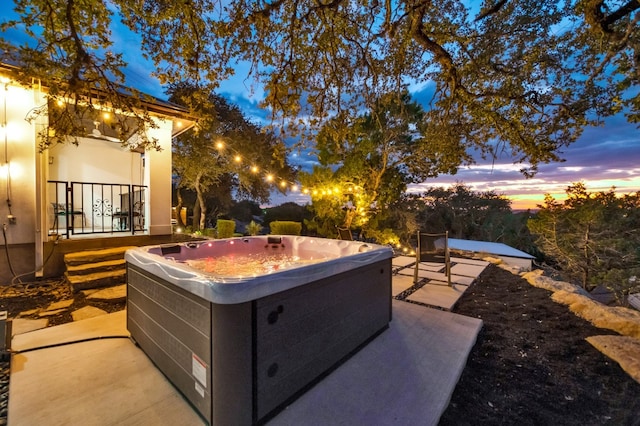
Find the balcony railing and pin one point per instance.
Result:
(77, 208)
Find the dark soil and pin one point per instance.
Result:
(531, 364)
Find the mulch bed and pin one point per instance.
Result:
(531, 364)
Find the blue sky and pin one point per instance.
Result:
(603, 157)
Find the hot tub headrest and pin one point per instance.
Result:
(170, 249)
(274, 240)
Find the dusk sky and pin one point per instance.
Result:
(603, 157)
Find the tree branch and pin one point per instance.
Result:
(623, 11)
(494, 9)
(595, 16)
(441, 55)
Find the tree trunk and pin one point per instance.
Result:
(179, 209)
(587, 263)
(196, 215)
(203, 206)
(348, 218)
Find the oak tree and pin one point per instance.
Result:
(518, 77)
(592, 237)
(226, 152)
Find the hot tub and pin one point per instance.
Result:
(243, 326)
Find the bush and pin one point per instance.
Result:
(285, 212)
(285, 227)
(254, 228)
(226, 228)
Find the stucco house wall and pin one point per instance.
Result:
(25, 199)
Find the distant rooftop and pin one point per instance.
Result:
(498, 249)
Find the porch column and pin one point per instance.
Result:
(157, 176)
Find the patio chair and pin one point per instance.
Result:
(61, 210)
(138, 216)
(120, 219)
(345, 234)
(433, 248)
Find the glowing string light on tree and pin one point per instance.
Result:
(324, 190)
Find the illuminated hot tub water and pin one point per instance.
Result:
(243, 326)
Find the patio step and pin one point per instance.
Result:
(91, 269)
(91, 256)
(97, 279)
(88, 268)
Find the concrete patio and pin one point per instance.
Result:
(404, 376)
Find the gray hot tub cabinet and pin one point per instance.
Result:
(239, 364)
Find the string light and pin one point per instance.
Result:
(340, 192)
(328, 190)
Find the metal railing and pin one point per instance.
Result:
(77, 208)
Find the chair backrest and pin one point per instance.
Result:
(138, 207)
(345, 234)
(433, 247)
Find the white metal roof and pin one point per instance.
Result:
(499, 249)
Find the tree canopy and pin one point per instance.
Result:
(225, 151)
(366, 164)
(518, 76)
(593, 237)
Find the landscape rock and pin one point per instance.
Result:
(87, 312)
(62, 304)
(624, 350)
(25, 325)
(51, 313)
(625, 321)
(110, 294)
(536, 279)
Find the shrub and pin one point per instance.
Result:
(226, 228)
(254, 228)
(285, 227)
